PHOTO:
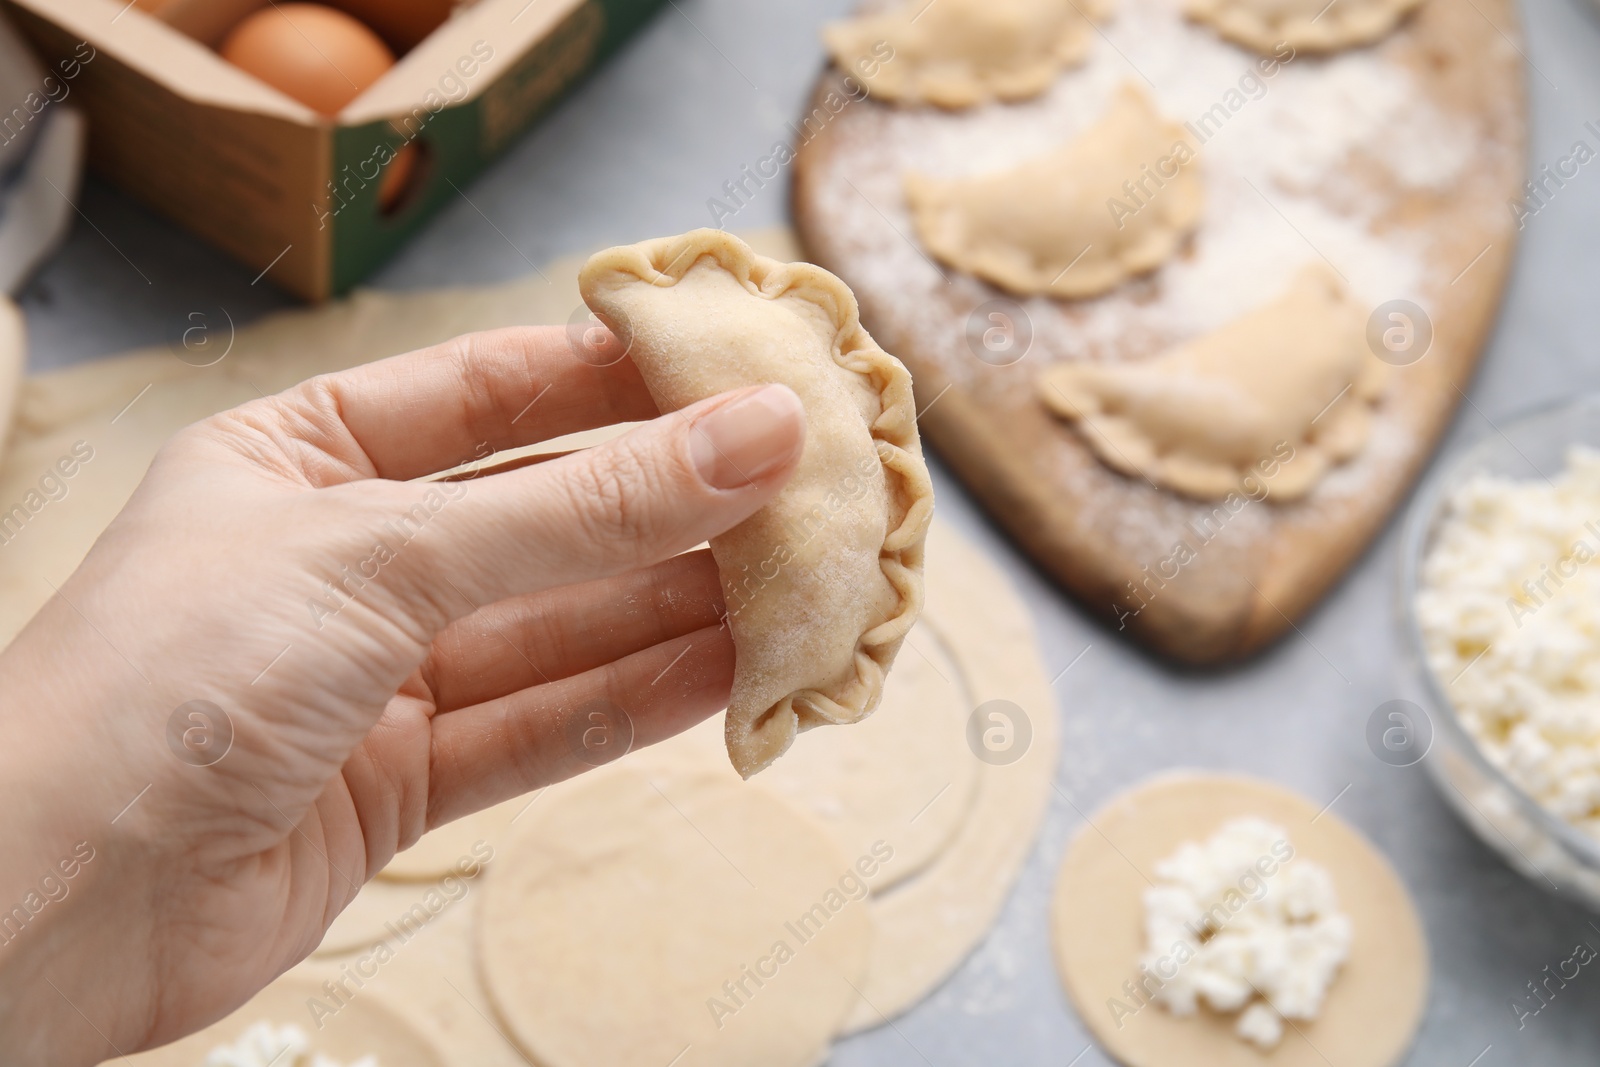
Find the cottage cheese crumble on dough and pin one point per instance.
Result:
(265, 1045)
(1239, 923)
(1200, 890)
(1509, 608)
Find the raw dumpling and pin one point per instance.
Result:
(1268, 402)
(957, 53)
(823, 583)
(1268, 26)
(1114, 203)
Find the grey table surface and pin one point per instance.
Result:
(638, 150)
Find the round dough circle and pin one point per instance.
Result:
(364, 1026)
(455, 846)
(903, 776)
(927, 925)
(434, 976)
(382, 911)
(621, 907)
(1375, 1003)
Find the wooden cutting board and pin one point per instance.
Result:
(1396, 163)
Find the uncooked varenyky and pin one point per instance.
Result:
(823, 583)
(1114, 203)
(959, 53)
(1276, 27)
(1279, 395)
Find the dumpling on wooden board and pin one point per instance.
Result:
(1279, 395)
(1276, 27)
(960, 53)
(1114, 203)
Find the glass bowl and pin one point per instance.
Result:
(1541, 845)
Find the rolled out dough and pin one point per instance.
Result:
(927, 926)
(363, 1026)
(903, 776)
(385, 911)
(472, 838)
(625, 911)
(1373, 1007)
(434, 977)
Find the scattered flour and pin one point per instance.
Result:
(1277, 192)
(1326, 160)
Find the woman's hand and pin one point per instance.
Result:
(387, 655)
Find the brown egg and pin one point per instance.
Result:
(403, 23)
(321, 57)
(395, 184)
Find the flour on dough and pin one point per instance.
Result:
(1274, 398)
(958, 53)
(1114, 203)
(1284, 27)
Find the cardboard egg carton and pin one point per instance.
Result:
(279, 187)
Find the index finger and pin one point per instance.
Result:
(433, 409)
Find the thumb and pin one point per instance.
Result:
(659, 490)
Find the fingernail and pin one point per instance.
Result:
(736, 444)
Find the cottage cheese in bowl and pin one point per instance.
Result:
(1509, 611)
(1500, 606)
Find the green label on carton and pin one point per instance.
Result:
(387, 178)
